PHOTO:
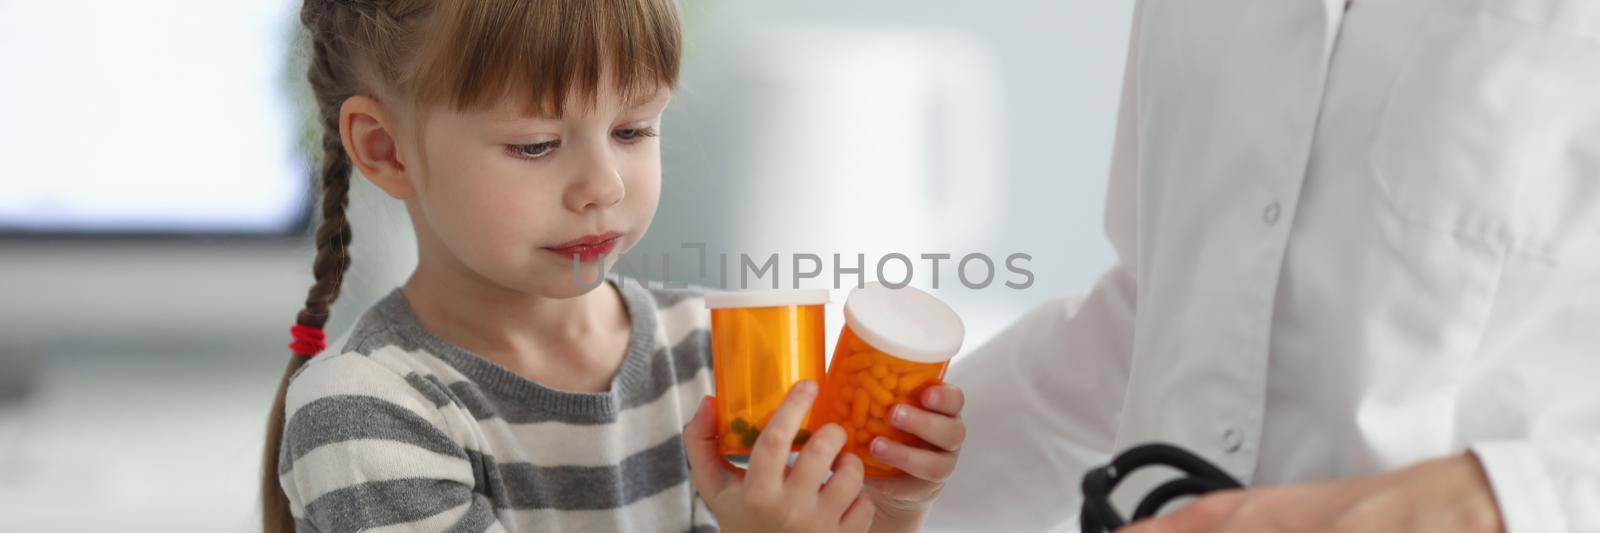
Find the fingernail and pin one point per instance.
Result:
(808, 386)
(898, 414)
(879, 446)
(932, 397)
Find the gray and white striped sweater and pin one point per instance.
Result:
(402, 431)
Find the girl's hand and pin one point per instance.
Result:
(903, 501)
(765, 498)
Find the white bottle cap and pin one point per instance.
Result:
(905, 323)
(772, 298)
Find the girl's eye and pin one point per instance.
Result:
(633, 134)
(534, 151)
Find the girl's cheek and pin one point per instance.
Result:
(506, 222)
(644, 182)
(477, 224)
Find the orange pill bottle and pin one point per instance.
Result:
(895, 343)
(762, 344)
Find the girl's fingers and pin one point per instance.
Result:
(815, 459)
(922, 464)
(706, 466)
(940, 430)
(844, 486)
(859, 518)
(944, 399)
(770, 454)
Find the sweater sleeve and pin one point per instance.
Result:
(367, 449)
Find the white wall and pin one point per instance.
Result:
(1057, 74)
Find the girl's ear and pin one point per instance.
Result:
(369, 134)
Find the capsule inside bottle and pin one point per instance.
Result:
(759, 352)
(861, 387)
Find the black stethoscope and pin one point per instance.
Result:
(1200, 477)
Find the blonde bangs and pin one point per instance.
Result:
(549, 54)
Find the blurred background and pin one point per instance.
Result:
(155, 202)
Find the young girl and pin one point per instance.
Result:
(494, 390)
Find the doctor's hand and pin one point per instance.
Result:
(903, 501)
(1442, 495)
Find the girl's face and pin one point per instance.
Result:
(514, 199)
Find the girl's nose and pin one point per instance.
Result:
(599, 188)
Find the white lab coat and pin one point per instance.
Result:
(1347, 241)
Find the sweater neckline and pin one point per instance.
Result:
(629, 380)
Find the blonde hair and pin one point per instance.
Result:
(464, 54)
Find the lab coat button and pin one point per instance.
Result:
(1232, 440)
(1270, 216)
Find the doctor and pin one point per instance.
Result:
(1358, 268)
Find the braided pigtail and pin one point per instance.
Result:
(330, 81)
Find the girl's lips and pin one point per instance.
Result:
(589, 248)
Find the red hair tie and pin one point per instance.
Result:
(308, 341)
